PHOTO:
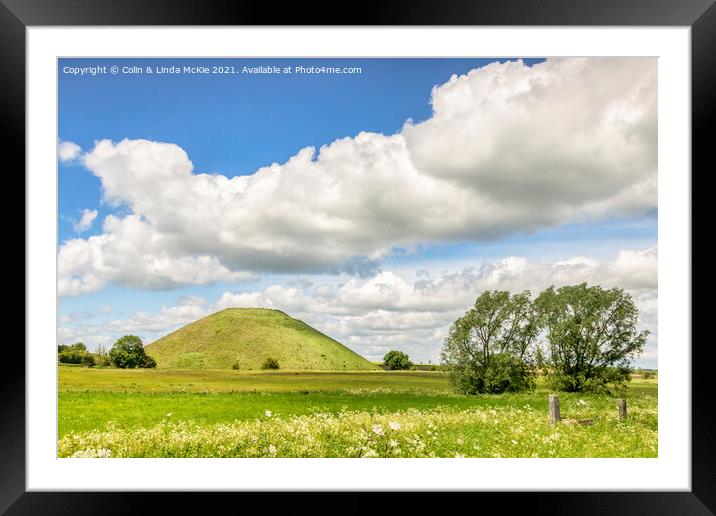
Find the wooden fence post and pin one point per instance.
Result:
(553, 409)
(621, 404)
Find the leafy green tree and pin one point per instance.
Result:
(128, 352)
(74, 354)
(77, 346)
(488, 349)
(397, 360)
(592, 336)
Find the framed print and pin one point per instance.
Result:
(425, 250)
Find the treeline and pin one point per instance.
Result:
(127, 352)
(581, 338)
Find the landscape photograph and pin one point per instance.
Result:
(357, 258)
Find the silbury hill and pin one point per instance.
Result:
(244, 338)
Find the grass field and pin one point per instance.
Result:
(218, 413)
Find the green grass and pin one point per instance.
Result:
(219, 413)
(248, 336)
(177, 380)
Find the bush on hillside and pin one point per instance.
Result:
(236, 366)
(270, 363)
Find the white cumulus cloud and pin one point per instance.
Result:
(68, 151)
(85, 221)
(411, 312)
(509, 149)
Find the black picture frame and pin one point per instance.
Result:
(17, 15)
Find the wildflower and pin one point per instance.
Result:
(582, 402)
(393, 443)
(272, 449)
(394, 425)
(459, 455)
(169, 414)
(268, 413)
(378, 430)
(515, 442)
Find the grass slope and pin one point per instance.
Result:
(250, 335)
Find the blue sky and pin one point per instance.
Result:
(234, 124)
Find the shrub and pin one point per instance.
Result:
(103, 361)
(270, 363)
(397, 360)
(235, 366)
(75, 356)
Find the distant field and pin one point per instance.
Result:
(200, 380)
(220, 413)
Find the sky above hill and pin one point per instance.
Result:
(374, 204)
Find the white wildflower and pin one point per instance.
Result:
(272, 449)
(268, 413)
(378, 430)
(394, 425)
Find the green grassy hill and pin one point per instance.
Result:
(248, 336)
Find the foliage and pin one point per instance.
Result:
(270, 363)
(78, 346)
(487, 350)
(236, 366)
(505, 373)
(74, 354)
(397, 360)
(592, 336)
(128, 352)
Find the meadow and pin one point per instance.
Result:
(220, 413)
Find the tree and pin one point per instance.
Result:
(488, 348)
(74, 354)
(128, 352)
(77, 346)
(397, 360)
(591, 336)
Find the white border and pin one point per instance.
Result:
(672, 470)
